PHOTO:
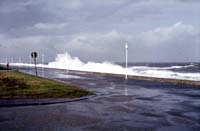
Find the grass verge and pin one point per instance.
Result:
(15, 84)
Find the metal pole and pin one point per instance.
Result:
(35, 67)
(126, 46)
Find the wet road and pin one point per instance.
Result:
(119, 105)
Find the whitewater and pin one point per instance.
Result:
(67, 62)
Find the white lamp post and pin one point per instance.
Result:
(126, 48)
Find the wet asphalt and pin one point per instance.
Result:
(119, 105)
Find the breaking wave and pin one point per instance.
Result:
(65, 61)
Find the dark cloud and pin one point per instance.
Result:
(20, 16)
(17, 15)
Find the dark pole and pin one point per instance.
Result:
(35, 66)
(34, 55)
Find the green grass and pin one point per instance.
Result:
(15, 84)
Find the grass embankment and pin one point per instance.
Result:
(15, 84)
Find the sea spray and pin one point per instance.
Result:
(66, 61)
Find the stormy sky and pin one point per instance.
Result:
(96, 30)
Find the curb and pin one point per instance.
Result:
(36, 101)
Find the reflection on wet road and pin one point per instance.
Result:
(119, 104)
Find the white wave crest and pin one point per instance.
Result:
(159, 68)
(65, 61)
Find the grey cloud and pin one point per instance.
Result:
(178, 42)
(189, 0)
(96, 30)
(15, 15)
(19, 16)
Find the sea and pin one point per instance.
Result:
(181, 71)
(186, 71)
(175, 67)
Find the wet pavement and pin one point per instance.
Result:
(119, 105)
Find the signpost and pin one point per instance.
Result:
(34, 56)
